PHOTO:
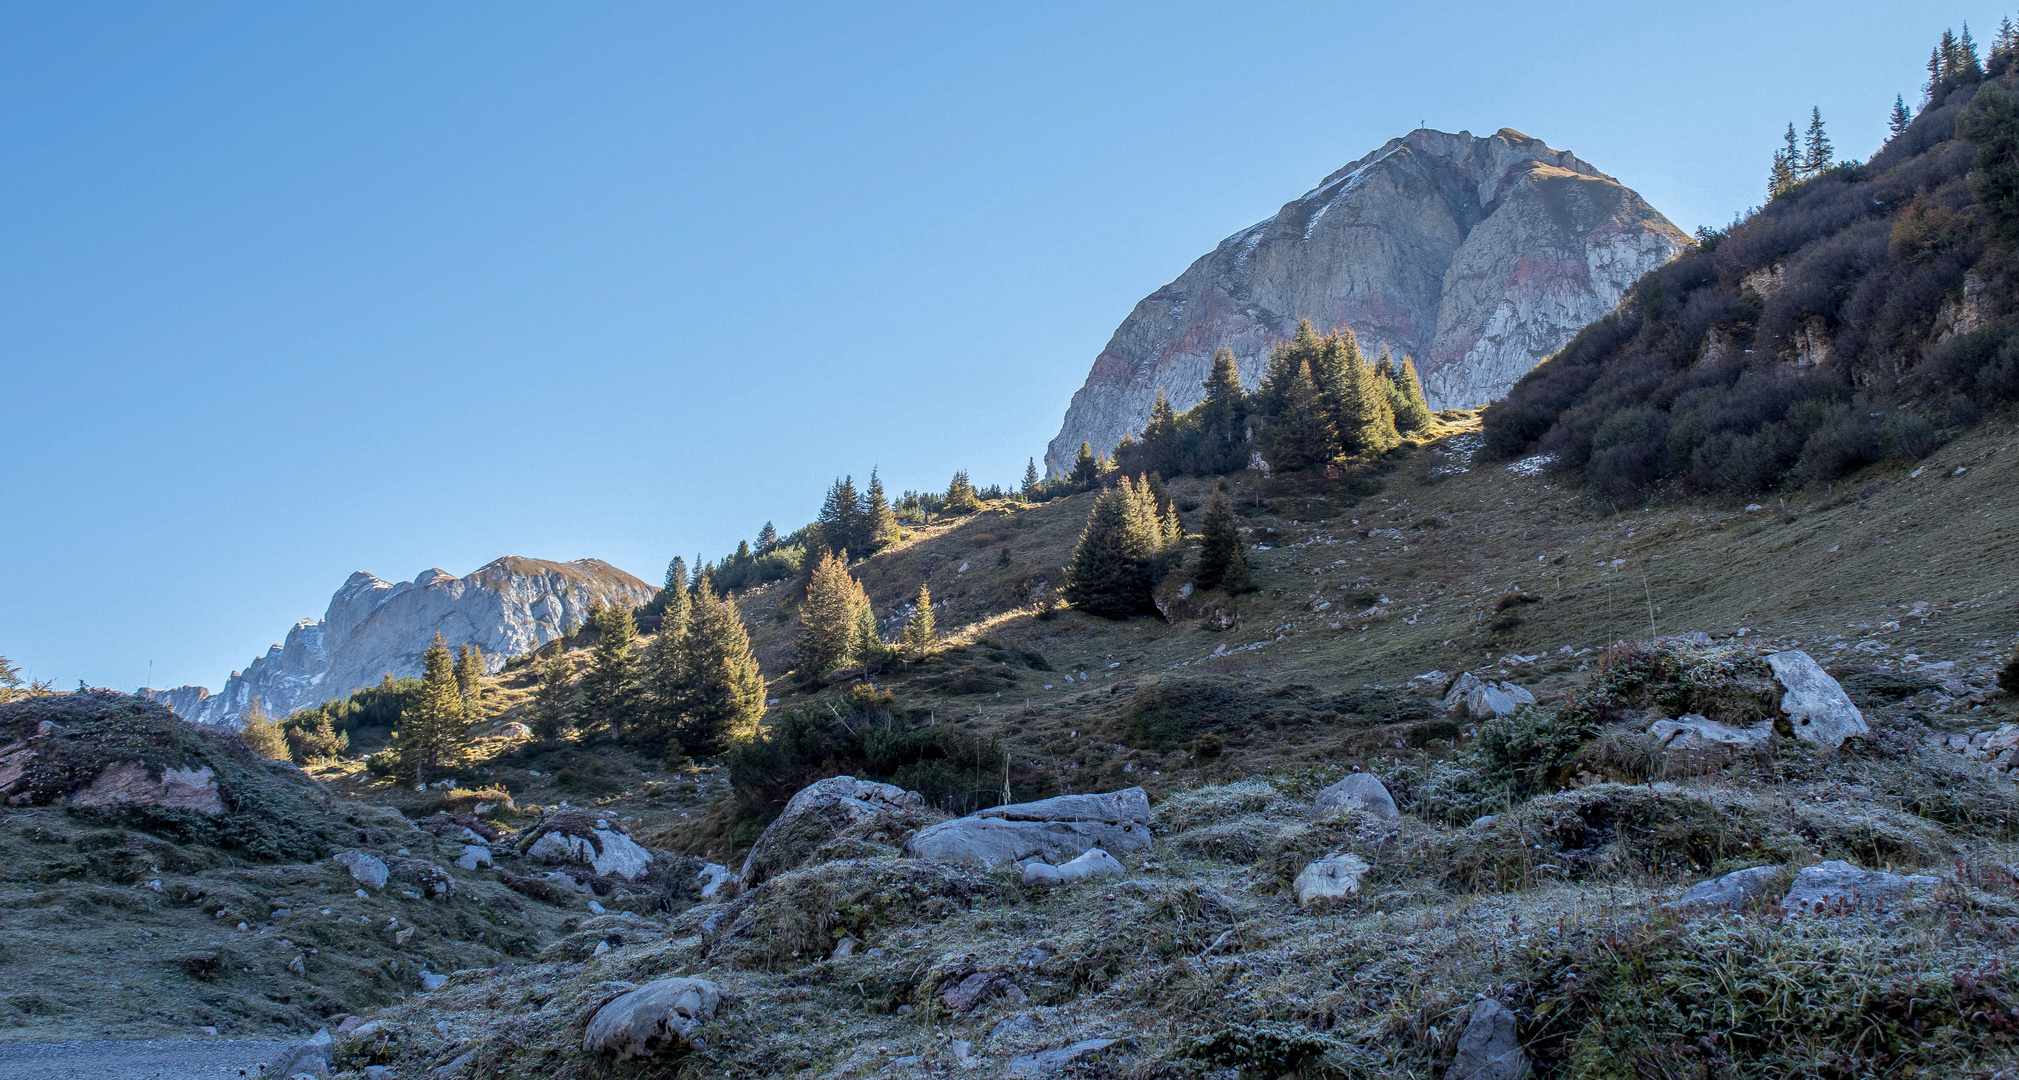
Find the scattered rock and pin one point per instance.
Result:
(432, 879)
(1360, 791)
(1817, 707)
(1837, 882)
(583, 840)
(1334, 877)
(655, 1016)
(1692, 731)
(979, 987)
(597, 908)
(1049, 830)
(431, 982)
(368, 869)
(1734, 890)
(312, 1058)
(713, 876)
(1093, 863)
(815, 815)
(514, 730)
(474, 856)
(1489, 1048)
(1485, 700)
(1052, 1062)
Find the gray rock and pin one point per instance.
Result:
(1461, 688)
(312, 1058)
(978, 988)
(1836, 882)
(658, 1015)
(431, 982)
(815, 815)
(1734, 890)
(1332, 878)
(1695, 732)
(1817, 706)
(605, 849)
(1519, 694)
(1360, 791)
(1093, 863)
(474, 855)
(1485, 700)
(368, 869)
(1049, 830)
(1051, 1062)
(713, 876)
(1489, 1049)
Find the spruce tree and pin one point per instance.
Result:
(1160, 447)
(767, 539)
(674, 611)
(1898, 122)
(879, 521)
(1783, 176)
(1222, 418)
(842, 526)
(1086, 468)
(1223, 562)
(1285, 360)
(722, 691)
(1304, 437)
(551, 714)
(919, 640)
(1817, 153)
(261, 734)
(610, 689)
(434, 730)
(1991, 121)
(1114, 566)
(830, 619)
(960, 495)
(469, 675)
(1032, 486)
(1412, 410)
(661, 685)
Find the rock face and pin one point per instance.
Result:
(1051, 830)
(128, 782)
(510, 606)
(1477, 256)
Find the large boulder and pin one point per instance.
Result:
(817, 814)
(1360, 791)
(1839, 884)
(1692, 731)
(1330, 879)
(658, 1015)
(1490, 1047)
(1734, 890)
(582, 839)
(367, 869)
(1484, 700)
(1049, 830)
(1817, 707)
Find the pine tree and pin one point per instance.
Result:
(610, 689)
(2003, 48)
(830, 619)
(842, 525)
(1900, 118)
(919, 640)
(960, 495)
(1412, 410)
(1160, 446)
(1817, 153)
(551, 715)
(1222, 417)
(1032, 486)
(1366, 416)
(1115, 564)
(721, 690)
(767, 539)
(1086, 468)
(673, 613)
(661, 686)
(1782, 178)
(879, 521)
(434, 731)
(1223, 562)
(469, 675)
(1304, 349)
(261, 734)
(1305, 437)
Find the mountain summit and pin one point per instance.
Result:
(1478, 256)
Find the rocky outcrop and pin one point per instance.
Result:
(509, 607)
(1817, 707)
(1478, 256)
(1050, 830)
(817, 814)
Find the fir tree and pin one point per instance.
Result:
(469, 675)
(1782, 177)
(1223, 562)
(767, 539)
(1992, 122)
(673, 613)
(830, 619)
(1900, 118)
(842, 525)
(1033, 486)
(1366, 415)
(1114, 567)
(551, 713)
(721, 690)
(434, 731)
(879, 521)
(661, 686)
(1412, 410)
(1086, 468)
(1817, 153)
(919, 640)
(1305, 437)
(610, 688)
(1285, 360)
(1160, 445)
(960, 495)
(1222, 417)
(261, 734)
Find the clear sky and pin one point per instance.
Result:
(292, 290)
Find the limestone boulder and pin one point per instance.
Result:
(665, 1014)
(1490, 1046)
(1052, 830)
(1330, 879)
(1485, 700)
(1095, 863)
(817, 814)
(1360, 791)
(365, 868)
(311, 1058)
(581, 839)
(1839, 884)
(1817, 708)
(129, 782)
(1055, 1062)
(1692, 731)
(1734, 890)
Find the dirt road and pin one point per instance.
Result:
(160, 1059)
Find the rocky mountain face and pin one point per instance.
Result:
(1477, 256)
(508, 607)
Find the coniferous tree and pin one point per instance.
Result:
(960, 495)
(1223, 418)
(1086, 468)
(1412, 410)
(661, 686)
(767, 539)
(551, 713)
(721, 692)
(879, 521)
(830, 619)
(919, 640)
(1817, 153)
(261, 734)
(1303, 350)
(1781, 178)
(610, 688)
(1304, 437)
(434, 731)
(1991, 121)
(1365, 415)
(1160, 446)
(469, 675)
(2003, 49)
(1032, 486)
(674, 611)
(1223, 563)
(1118, 559)
(1900, 118)
(842, 525)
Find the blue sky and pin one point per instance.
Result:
(291, 290)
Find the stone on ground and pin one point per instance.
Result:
(1734, 890)
(1332, 878)
(1053, 1062)
(1692, 731)
(580, 840)
(1817, 706)
(369, 870)
(1489, 1048)
(1360, 791)
(1049, 830)
(816, 814)
(1837, 882)
(655, 1016)
(1094, 863)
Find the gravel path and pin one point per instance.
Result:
(154, 1059)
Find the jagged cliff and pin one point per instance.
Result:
(372, 626)
(1478, 256)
